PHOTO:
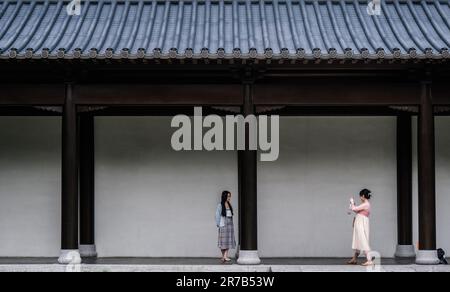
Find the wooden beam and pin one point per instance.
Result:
(441, 93)
(337, 93)
(160, 94)
(25, 111)
(314, 92)
(31, 94)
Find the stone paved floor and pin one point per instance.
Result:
(197, 261)
(208, 265)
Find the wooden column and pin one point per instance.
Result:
(248, 253)
(239, 154)
(427, 183)
(87, 186)
(69, 181)
(405, 247)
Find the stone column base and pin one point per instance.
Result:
(69, 256)
(248, 257)
(405, 251)
(427, 257)
(88, 251)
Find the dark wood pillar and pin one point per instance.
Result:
(427, 181)
(240, 195)
(248, 253)
(87, 186)
(405, 247)
(69, 180)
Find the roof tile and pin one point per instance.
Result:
(327, 29)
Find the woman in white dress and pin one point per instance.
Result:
(361, 228)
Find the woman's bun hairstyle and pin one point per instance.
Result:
(367, 194)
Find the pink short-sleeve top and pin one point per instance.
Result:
(363, 209)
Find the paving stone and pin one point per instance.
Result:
(216, 268)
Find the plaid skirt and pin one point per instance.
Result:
(226, 235)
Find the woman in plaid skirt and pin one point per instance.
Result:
(224, 222)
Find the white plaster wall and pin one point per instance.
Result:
(152, 201)
(30, 186)
(303, 197)
(442, 126)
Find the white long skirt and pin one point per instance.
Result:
(361, 232)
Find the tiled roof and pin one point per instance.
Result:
(293, 29)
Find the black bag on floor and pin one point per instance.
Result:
(441, 256)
